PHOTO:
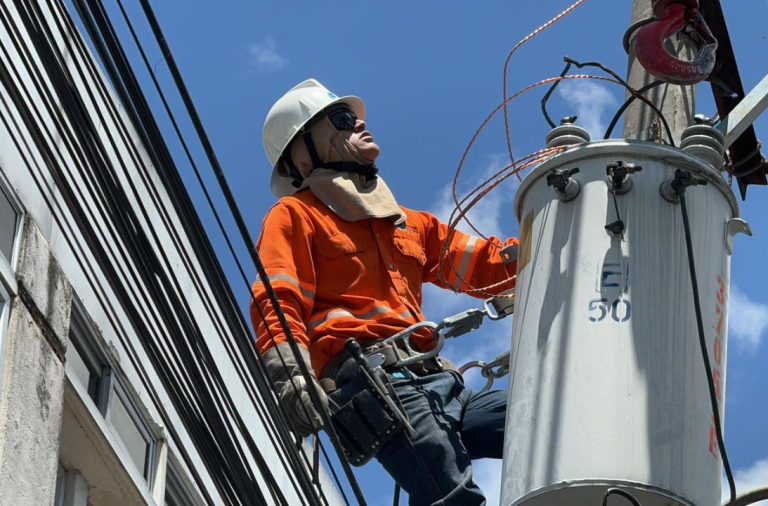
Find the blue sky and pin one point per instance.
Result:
(429, 73)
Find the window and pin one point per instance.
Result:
(9, 224)
(10, 218)
(87, 365)
(178, 489)
(4, 306)
(91, 366)
(71, 488)
(133, 433)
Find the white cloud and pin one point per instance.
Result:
(750, 478)
(748, 320)
(266, 58)
(591, 101)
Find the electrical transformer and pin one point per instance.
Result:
(608, 387)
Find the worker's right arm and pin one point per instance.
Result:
(285, 250)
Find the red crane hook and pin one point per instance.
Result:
(670, 18)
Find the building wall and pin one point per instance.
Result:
(70, 415)
(33, 382)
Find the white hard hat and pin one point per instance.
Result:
(290, 114)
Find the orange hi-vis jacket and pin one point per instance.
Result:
(337, 279)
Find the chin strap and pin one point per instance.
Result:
(369, 171)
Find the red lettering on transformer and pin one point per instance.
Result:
(713, 449)
(718, 355)
(716, 380)
(716, 360)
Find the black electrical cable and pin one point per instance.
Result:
(48, 157)
(633, 28)
(633, 91)
(548, 94)
(679, 186)
(302, 453)
(42, 185)
(241, 376)
(96, 155)
(622, 493)
(187, 324)
(626, 104)
(181, 139)
(198, 284)
(262, 416)
(170, 61)
(54, 174)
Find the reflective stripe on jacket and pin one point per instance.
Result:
(337, 279)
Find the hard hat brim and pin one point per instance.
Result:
(280, 185)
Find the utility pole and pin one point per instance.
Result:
(677, 103)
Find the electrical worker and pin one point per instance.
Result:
(346, 261)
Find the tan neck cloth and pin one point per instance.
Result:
(351, 196)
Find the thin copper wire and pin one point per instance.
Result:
(509, 57)
(515, 168)
(490, 116)
(522, 164)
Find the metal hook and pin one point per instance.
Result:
(672, 17)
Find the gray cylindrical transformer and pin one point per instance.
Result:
(607, 385)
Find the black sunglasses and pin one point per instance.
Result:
(343, 119)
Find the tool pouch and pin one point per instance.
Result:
(363, 421)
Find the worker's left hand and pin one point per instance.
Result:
(299, 409)
(292, 389)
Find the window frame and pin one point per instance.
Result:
(121, 394)
(8, 286)
(87, 342)
(8, 265)
(82, 339)
(178, 483)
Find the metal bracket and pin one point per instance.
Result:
(497, 308)
(732, 227)
(672, 188)
(567, 188)
(745, 113)
(509, 254)
(618, 173)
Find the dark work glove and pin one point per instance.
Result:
(292, 389)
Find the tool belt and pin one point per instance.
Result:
(363, 419)
(365, 410)
(423, 368)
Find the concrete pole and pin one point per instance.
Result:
(677, 103)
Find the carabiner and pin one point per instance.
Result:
(482, 366)
(670, 18)
(403, 338)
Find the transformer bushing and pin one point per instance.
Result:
(705, 142)
(567, 134)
